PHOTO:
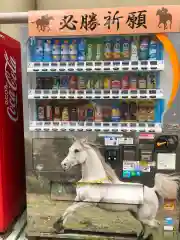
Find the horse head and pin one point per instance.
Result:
(159, 12)
(77, 154)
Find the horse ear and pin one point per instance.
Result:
(72, 138)
(84, 140)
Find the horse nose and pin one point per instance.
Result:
(64, 164)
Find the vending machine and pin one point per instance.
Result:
(12, 160)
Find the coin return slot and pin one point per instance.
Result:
(153, 68)
(134, 68)
(125, 68)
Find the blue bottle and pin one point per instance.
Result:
(36, 50)
(144, 48)
(47, 50)
(153, 49)
(81, 56)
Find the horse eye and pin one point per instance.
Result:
(76, 150)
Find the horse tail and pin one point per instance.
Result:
(167, 185)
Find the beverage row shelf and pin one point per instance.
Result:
(95, 126)
(95, 94)
(96, 66)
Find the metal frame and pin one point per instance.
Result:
(14, 17)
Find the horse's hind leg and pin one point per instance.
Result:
(146, 215)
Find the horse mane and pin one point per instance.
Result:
(108, 169)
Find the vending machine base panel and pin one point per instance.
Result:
(81, 235)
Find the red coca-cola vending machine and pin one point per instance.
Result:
(12, 157)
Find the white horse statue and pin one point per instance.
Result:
(96, 170)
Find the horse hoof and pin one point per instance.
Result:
(58, 225)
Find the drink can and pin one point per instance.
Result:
(81, 82)
(74, 114)
(90, 114)
(65, 50)
(64, 82)
(56, 50)
(57, 113)
(65, 114)
(89, 83)
(49, 113)
(81, 114)
(108, 49)
(116, 83)
(97, 82)
(73, 82)
(107, 83)
(56, 82)
(39, 82)
(73, 50)
(40, 113)
(125, 82)
(133, 82)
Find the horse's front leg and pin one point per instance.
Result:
(71, 210)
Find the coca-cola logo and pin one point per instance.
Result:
(10, 87)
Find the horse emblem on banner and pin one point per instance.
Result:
(165, 18)
(43, 23)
